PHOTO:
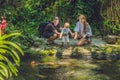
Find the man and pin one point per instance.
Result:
(52, 31)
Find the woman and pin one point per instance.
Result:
(82, 31)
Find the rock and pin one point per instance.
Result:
(118, 40)
(40, 76)
(69, 73)
(64, 63)
(111, 39)
(79, 52)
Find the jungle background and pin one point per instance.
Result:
(25, 17)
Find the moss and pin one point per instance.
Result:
(76, 53)
(50, 52)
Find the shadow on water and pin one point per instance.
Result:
(110, 69)
(69, 69)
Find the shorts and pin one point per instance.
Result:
(65, 38)
(87, 37)
(48, 34)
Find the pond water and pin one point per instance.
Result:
(69, 69)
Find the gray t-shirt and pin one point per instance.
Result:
(79, 28)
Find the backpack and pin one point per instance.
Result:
(42, 28)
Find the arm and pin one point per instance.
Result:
(77, 29)
(61, 34)
(89, 31)
(55, 31)
(60, 28)
(71, 33)
(76, 33)
(52, 28)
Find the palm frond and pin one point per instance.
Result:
(13, 45)
(10, 35)
(9, 50)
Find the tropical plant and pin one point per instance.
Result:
(9, 58)
(110, 12)
(49, 52)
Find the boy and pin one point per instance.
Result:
(65, 34)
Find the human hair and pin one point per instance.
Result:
(55, 20)
(81, 16)
(67, 25)
(85, 24)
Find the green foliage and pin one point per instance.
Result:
(110, 12)
(112, 27)
(9, 57)
(76, 53)
(107, 49)
(25, 16)
(49, 52)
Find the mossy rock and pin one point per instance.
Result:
(118, 41)
(49, 52)
(37, 44)
(59, 53)
(76, 53)
(108, 50)
(99, 55)
(111, 39)
(118, 56)
(112, 57)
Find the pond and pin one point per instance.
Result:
(68, 69)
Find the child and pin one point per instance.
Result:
(65, 34)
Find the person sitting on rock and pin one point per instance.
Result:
(82, 31)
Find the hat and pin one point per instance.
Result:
(56, 18)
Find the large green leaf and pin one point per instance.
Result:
(9, 50)
(12, 53)
(12, 44)
(10, 35)
(4, 70)
(1, 77)
(12, 67)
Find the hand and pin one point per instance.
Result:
(58, 33)
(84, 35)
(72, 36)
(75, 37)
(60, 37)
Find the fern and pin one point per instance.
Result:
(8, 48)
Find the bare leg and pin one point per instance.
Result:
(62, 44)
(89, 41)
(81, 42)
(68, 44)
(52, 38)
